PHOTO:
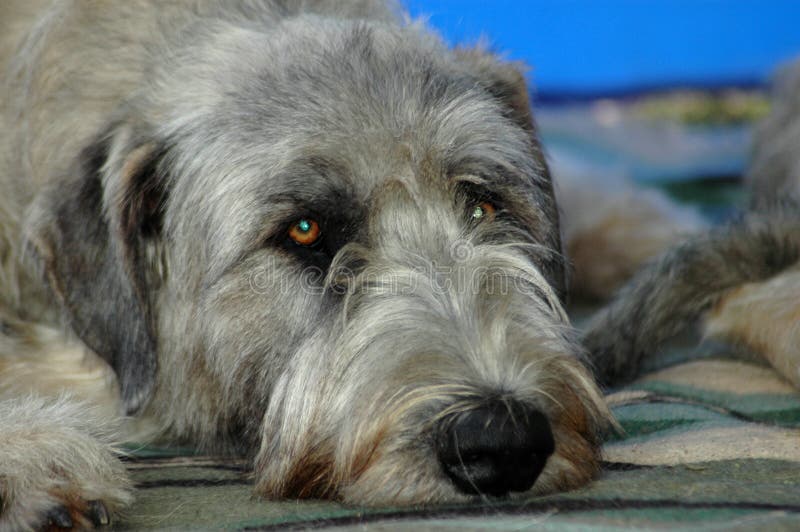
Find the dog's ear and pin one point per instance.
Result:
(502, 79)
(96, 233)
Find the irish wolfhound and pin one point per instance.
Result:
(742, 278)
(303, 232)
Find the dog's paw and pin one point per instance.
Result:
(58, 468)
(72, 515)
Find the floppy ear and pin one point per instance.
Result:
(94, 233)
(503, 80)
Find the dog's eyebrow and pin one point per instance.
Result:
(328, 203)
(308, 179)
(315, 184)
(319, 184)
(515, 192)
(498, 183)
(284, 209)
(485, 173)
(310, 186)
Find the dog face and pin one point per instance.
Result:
(335, 247)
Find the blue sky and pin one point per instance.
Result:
(612, 45)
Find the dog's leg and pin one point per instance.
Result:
(41, 360)
(57, 457)
(58, 466)
(766, 318)
(684, 284)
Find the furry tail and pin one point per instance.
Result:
(677, 288)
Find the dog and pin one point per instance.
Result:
(739, 281)
(306, 233)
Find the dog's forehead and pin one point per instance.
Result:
(338, 109)
(375, 97)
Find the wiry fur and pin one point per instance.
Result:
(154, 156)
(683, 284)
(57, 452)
(738, 277)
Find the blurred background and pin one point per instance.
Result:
(659, 92)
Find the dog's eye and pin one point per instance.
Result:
(305, 232)
(484, 211)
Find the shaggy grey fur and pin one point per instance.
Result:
(674, 291)
(154, 158)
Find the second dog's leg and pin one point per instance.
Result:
(766, 318)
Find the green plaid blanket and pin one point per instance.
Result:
(710, 443)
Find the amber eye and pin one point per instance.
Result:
(305, 232)
(484, 211)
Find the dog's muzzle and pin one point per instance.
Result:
(495, 449)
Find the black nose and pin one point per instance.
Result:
(495, 449)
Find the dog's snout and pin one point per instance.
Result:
(495, 449)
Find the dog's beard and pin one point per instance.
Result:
(411, 343)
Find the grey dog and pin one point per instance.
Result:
(307, 233)
(739, 281)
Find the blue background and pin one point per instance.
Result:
(608, 46)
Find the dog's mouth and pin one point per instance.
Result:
(422, 417)
(498, 448)
(454, 447)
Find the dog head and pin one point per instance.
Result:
(334, 246)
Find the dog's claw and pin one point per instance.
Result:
(98, 513)
(59, 517)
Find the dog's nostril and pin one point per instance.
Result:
(495, 449)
